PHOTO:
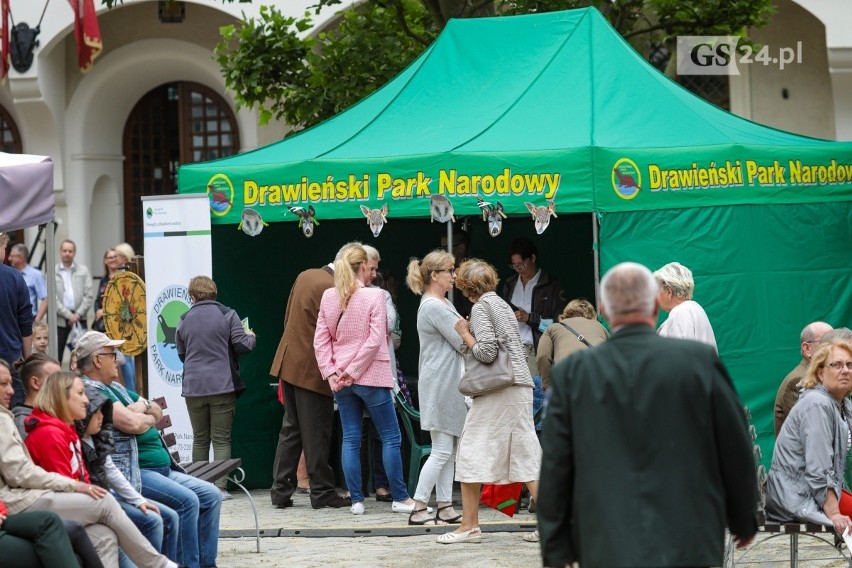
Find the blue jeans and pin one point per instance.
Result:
(160, 530)
(351, 403)
(197, 504)
(539, 401)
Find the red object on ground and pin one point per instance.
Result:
(504, 498)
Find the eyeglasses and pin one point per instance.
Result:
(838, 365)
(112, 354)
(519, 265)
(452, 271)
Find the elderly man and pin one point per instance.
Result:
(196, 502)
(647, 456)
(16, 319)
(788, 392)
(310, 408)
(687, 319)
(36, 284)
(74, 293)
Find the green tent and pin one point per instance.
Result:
(557, 107)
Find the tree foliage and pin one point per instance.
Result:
(271, 62)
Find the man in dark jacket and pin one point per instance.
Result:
(309, 416)
(647, 456)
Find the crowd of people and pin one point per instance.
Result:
(83, 467)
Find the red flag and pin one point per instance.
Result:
(86, 32)
(4, 40)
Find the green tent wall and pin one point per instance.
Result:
(549, 106)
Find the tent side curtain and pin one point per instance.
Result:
(761, 273)
(26, 191)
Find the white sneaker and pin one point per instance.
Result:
(357, 508)
(398, 507)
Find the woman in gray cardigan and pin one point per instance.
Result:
(442, 407)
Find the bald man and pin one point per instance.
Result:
(788, 392)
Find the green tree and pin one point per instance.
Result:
(271, 64)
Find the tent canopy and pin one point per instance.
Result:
(532, 108)
(26, 191)
(570, 113)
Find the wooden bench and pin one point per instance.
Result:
(210, 471)
(775, 529)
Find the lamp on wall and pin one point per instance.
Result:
(171, 11)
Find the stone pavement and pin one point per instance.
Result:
(300, 536)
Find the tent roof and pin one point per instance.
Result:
(26, 191)
(559, 93)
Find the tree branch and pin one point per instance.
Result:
(400, 17)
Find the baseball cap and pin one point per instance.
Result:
(91, 341)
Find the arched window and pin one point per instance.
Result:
(176, 123)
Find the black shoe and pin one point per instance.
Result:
(334, 501)
(384, 497)
(283, 504)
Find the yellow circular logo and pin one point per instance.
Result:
(220, 193)
(626, 178)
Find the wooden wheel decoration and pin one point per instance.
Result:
(124, 312)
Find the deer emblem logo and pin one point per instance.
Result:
(376, 218)
(307, 220)
(541, 215)
(493, 215)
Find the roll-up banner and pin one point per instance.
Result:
(177, 247)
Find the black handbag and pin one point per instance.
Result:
(483, 378)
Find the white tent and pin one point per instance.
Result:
(26, 200)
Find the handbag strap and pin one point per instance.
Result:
(577, 335)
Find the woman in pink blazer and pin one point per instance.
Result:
(352, 352)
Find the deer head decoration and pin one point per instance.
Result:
(307, 219)
(541, 215)
(376, 218)
(441, 208)
(493, 215)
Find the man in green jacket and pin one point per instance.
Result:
(647, 456)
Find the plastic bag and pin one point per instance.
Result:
(504, 498)
(75, 334)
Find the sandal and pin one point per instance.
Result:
(454, 520)
(473, 536)
(425, 522)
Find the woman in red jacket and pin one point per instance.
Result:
(52, 439)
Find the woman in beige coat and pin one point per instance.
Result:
(558, 341)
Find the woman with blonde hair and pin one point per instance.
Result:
(54, 446)
(578, 322)
(498, 444)
(806, 476)
(442, 408)
(352, 353)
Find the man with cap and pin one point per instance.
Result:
(196, 502)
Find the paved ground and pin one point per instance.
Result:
(303, 537)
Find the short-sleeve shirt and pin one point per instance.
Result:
(152, 452)
(36, 286)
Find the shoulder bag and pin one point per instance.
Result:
(577, 335)
(484, 378)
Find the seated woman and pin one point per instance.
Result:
(557, 342)
(55, 447)
(498, 443)
(806, 477)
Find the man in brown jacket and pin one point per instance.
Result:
(310, 407)
(788, 392)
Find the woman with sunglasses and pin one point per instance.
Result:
(442, 407)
